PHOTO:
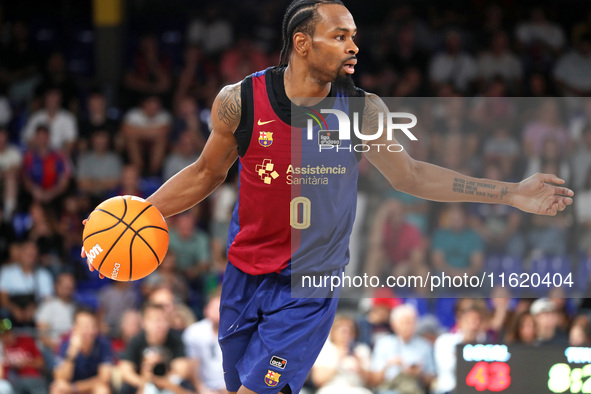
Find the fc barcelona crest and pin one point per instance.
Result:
(265, 138)
(272, 378)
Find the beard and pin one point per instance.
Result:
(344, 84)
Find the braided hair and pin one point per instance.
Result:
(300, 16)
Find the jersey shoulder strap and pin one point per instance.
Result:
(243, 132)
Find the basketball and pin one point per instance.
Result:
(125, 238)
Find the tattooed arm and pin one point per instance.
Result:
(431, 182)
(198, 180)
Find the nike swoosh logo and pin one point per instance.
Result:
(263, 123)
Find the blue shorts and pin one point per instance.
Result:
(268, 339)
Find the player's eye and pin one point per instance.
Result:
(341, 37)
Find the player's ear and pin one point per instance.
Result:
(301, 41)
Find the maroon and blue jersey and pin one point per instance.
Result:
(45, 171)
(296, 203)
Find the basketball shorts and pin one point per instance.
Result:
(270, 340)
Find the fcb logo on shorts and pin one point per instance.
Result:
(272, 378)
(265, 138)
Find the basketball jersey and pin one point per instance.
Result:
(296, 204)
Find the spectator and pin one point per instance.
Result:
(75, 210)
(544, 312)
(548, 237)
(563, 315)
(130, 182)
(56, 77)
(456, 248)
(186, 151)
(190, 245)
(375, 323)
(46, 172)
(11, 161)
(502, 148)
(151, 72)
(403, 362)
(44, 231)
(99, 171)
(164, 297)
(55, 316)
(550, 155)
(131, 325)
(342, 365)
(540, 39)
(242, 59)
(5, 110)
(396, 247)
(581, 158)
(148, 123)
(95, 118)
(583, 216)
(178, 314)
(501, 314)
(468, 329)
(580, 332)
(86, 359)
(499, 61)
(498, 225)
(156, 344)
(410, 84)
(223, 201)
(453, 124)
(212, 33)
(22, 361)
(63, 130)
(188, 119)
(20, 64)
(523, 329)
(406, 53)
(5, 386)
(23, 285)
(538, 85)
(539, 30)
(7, 238)
(166, 276)
(201, 344)
(183, 317)
(113, 300)
(493, 21)
(453, 65)
(429, 328)
(572, 69)
(546, 124)
(198, 71)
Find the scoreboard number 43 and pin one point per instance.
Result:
(489, 376)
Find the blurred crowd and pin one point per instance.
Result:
(67, 143)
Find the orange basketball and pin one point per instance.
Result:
(125, 238)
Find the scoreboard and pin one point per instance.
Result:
(518, 369)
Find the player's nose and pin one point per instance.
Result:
(352, 48)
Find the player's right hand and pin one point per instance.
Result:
(83, 255)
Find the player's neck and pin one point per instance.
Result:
(299, 85)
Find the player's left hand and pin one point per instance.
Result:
(537, 195)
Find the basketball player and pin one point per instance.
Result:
(270, 340)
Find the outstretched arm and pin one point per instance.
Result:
(431, 182)
(198, 180)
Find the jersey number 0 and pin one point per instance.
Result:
(300, 219)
